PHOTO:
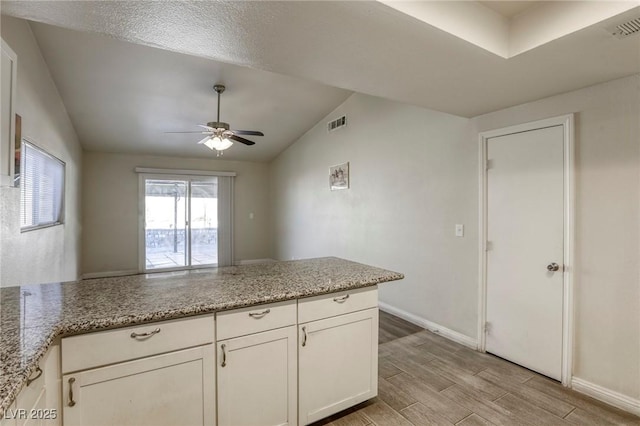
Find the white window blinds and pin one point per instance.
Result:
(42, 188)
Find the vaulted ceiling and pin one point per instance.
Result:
(122, 96)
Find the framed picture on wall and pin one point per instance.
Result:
(339, 177)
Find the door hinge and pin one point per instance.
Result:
(487, 327)
(490, 164)
(488, 246)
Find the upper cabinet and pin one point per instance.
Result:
(8, 75)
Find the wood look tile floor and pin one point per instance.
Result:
(426, 379)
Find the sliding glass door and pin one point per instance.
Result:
(180, 222)
(204, 223)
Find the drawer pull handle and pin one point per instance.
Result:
(259, 314)
(224, 354)
(71, 401)
(304, 336)
(30, 380)
(341, 298)
(145, 335)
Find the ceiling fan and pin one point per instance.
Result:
(219, 135)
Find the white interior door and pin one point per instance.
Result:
(525, 236)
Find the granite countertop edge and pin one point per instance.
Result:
(70, 327)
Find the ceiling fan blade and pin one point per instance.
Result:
(241, 140)
(199, 131)
(204, 140)
(206, 127)
(248, 132)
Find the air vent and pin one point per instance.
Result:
(337, 123)
(626, 29)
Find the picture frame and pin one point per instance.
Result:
(339, 177)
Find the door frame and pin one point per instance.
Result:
(567, 122)
(142, 178)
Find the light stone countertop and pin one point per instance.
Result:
(32, 317)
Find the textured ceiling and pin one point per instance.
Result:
(359, 46)
(509, 9)
(122, 97)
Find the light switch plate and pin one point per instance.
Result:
(459, 230)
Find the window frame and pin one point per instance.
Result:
(145, 174)
(27, 143)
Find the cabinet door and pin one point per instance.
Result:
(39, 414)
(177, 388)
(9, 418)
(338, 363)
(257, 379)
(37, 403)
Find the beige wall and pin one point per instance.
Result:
(414, 174)
(607, 263)
(50, 254)
(110, 207)
(413, 177)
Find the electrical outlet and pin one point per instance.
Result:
(459, 230)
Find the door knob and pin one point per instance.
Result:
(552, 267)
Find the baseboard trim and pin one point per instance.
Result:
(107, 274)
(429, 325)
(603, 394)
(254, 261)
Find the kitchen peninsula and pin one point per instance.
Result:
(212, 319)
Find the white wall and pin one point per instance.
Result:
(110, 207)
(413, 177)
(50, 254)
(607, 263)
(414, 174)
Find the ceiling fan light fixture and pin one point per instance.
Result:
(218, 143)
(218, 134)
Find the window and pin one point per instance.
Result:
(42, 188)
(185, 221)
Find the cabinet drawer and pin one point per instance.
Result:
(254, 319)
(330, 305)
(122, 344)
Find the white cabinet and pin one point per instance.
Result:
(257, 365)
(9, 418)
(153, 374)
(39, 411)
(37, 403)
(176, 388)
(257, 379)
(285, 363)
(338, 358)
